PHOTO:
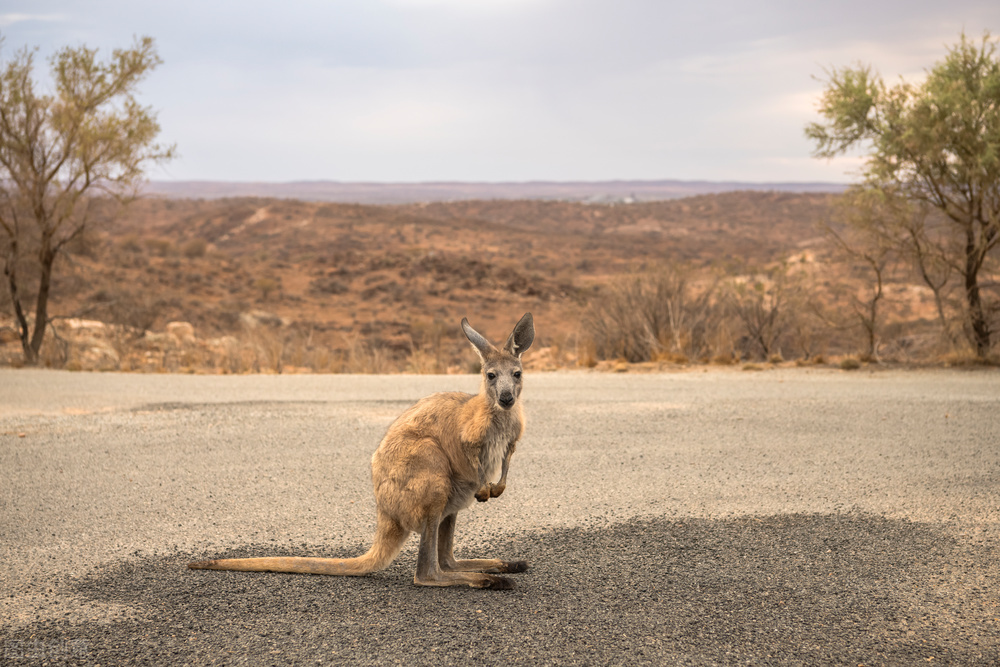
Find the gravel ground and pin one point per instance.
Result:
(724, 517)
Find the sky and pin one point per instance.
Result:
(498, 90)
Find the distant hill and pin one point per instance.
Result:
(257, 283)
(408, 193)
(394, 276)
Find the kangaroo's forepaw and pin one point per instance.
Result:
(484, 493)
(496, 490)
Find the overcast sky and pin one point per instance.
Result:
(498, 90)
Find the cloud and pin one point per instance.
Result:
(500, 89)
(492, 6)
(13, 18)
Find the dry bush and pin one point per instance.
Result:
(256, 348)
(130, 244)
(194, 248)
(429, 343)
(586, 355)
(423, 362)
(771, 315)
(55, 351)
(161, 247)
(757, 304)
(362, 356)
(617, 326)
(653, 316)
(267, 286)
(267, 348)
(660, 316)
(330, 283)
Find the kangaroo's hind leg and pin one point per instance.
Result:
(430, 573)
(447, 561)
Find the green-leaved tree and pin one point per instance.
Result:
(87, 137)
(937, 144)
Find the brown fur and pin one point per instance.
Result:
(437, 457)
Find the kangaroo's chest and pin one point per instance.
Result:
(503, 431)
(491, 455)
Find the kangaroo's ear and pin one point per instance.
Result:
(521, 337)
(479, 343)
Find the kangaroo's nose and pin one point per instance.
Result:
(506, 399)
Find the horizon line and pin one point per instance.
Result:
(549, 181)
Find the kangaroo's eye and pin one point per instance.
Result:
(492, 376)
(517, 374)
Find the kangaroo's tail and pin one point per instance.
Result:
(389, 539)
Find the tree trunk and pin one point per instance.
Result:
(867, 315)
(46, 258)
(23, 332)
(977, 320)
(872, 324)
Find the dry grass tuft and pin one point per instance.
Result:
(849, 364)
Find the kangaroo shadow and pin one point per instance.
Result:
(804, 589)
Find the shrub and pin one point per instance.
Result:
(329, 284)
(267, 286)
(194, 248)
(160, 247)
(652, 316)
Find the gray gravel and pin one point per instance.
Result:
(721, 517)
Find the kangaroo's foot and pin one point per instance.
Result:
(515, 566)
(473, 580)
(499, 583)
(491, 565)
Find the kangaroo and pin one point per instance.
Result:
(437, 457)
